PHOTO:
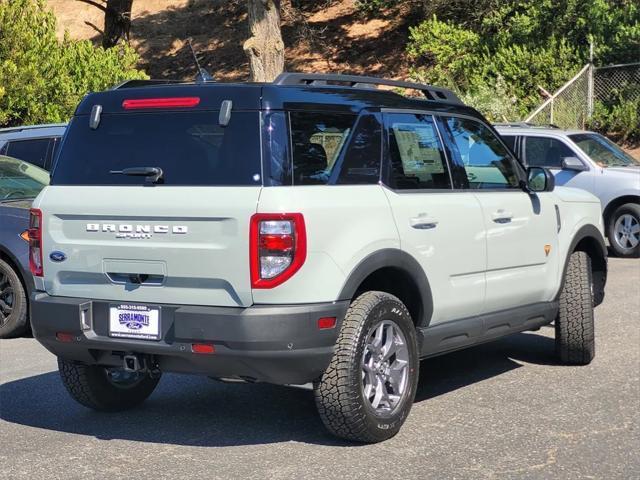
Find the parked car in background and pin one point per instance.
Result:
(589, 161)
(20, 183)
(36, 144)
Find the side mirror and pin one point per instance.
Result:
(540, 180)
(573, 163)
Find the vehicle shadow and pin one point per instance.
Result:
(197, 411)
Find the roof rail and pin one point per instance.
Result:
(525, 125)
(436, 94)
(144, 83)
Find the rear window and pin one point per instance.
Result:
(191, 148)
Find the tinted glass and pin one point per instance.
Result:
(20, 179)
(416, 156)
(55, 146)
(361, 163)
(546, 152)
(275, 144)
(190, 148)
(32, 151)
(486, 162)
(317, 140)
(510, 141)
(603, 150)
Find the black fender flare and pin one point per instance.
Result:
(589, 231)
(398, 259)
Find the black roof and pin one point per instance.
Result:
(290, 91)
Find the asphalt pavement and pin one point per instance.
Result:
(501, 410)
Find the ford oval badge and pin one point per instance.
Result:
(57, 256)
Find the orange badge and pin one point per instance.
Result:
(547, 249)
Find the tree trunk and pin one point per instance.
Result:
(117, 22)
(265, 47)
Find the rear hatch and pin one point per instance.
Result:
(183, 239)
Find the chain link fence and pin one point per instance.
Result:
(573, 104)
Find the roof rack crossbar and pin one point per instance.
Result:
(437, 94)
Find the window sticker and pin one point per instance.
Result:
(419, 152)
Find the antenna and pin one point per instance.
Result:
(202, 76)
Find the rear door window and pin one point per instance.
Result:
(191, 148)
(416, 156)
(546, 152)
(33, 151)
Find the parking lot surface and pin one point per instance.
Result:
(501, 410)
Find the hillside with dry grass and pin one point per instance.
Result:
(324, 36)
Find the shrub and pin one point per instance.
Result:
(619, 120)
(494, 100)
(44, 78)
(373, 7)
(527, 44)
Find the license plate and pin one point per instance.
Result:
(134, 321)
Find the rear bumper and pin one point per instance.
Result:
(278, 344)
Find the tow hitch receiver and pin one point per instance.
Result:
(141, 364)
(133, 363)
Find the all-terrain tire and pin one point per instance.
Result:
(632, 212)
(16, 322)
(575, 336)
(90, 386)
(339, 394)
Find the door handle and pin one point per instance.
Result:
(422, 222)
(502, 216)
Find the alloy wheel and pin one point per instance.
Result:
(6, 297)
(385, 367)
(627, 231)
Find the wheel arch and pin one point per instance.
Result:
(27, 283)
(398, 273)
(14, 263)
(613, 205)
(588, 239)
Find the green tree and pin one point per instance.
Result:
(472, 43)
(44, 78)
(117, 20)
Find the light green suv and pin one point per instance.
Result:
(313, 230)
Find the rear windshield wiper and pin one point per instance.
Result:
(152, 174)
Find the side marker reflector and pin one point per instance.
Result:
(326, 323)
(203, 348)
(64, 337)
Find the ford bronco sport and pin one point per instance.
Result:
(316, 229)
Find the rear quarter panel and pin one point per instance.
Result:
(344, 224)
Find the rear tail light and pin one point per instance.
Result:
(278, 244)
(35, 242)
